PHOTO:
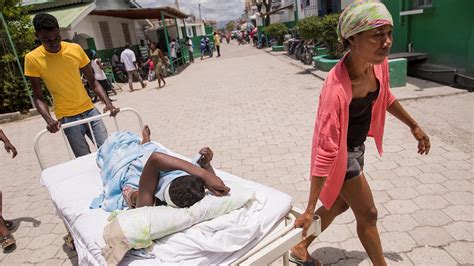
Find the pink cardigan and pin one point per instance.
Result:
(329, 149)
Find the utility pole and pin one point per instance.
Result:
(200, 12)
(177, 4)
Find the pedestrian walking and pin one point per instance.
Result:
(59, 65)
(352, 105)
(159, 61)
(217, 43)
(129, 60)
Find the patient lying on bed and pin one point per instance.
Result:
(138, 173)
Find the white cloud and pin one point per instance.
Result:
(219, 10)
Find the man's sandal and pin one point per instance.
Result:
(8, 224)
(301, 262)
(7, 241)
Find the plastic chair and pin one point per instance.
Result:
(110, 76)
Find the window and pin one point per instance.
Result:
(422, 3)
(105, 30)
(126, 33)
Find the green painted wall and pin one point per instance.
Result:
(208, 30)
(444, 31)
(400, 28)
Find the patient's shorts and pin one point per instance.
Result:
(355, 162)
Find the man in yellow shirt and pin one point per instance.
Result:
(217, 43)
(59, 65)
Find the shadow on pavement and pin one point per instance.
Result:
(18, 221)
(323, 255)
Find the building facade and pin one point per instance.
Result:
(444, 29)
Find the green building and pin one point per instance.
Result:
(444, 29)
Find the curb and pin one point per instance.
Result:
(17, 116)
(308, 70)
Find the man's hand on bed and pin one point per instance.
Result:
(52, 125)
(304, 221)
(113, 110)
(215, 185)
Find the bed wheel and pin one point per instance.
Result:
(69, 242)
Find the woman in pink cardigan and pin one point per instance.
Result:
(352, 105)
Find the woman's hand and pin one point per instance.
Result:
(206, 158)
(304, 221)
(423, 140)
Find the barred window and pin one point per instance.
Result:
(126, 33)
(105, 30)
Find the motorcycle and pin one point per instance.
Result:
(121, 75)
(292, 44)
(308, 52)
(299, 50)
(207, 50)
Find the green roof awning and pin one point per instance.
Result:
(36, 5)
(69, 16)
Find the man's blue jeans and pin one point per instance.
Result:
(76, 135)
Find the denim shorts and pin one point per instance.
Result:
(76, 135)
(355, 162)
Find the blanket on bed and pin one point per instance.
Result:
(137, 228)
(121, 159)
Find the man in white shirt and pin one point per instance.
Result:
(129, 60)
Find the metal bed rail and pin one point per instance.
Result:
(87, 121)
(278, 244)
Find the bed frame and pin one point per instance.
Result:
(275, 245)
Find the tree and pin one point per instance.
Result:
(277, 31)
(13, 94)
(310, 28)
(329, 35)
(230, 26)
(268, 7)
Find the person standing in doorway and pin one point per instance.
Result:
(59, 64)
(190, 45)
(217, 43)
(353, 104)
(130, 61)
(159, 61)
(173, 53)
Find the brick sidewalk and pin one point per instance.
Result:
(257, 113)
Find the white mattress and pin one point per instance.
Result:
(73, 185)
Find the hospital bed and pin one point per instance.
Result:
(73, 184)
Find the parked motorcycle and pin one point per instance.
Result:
(308, 52)
(121, 75)
(292, 44)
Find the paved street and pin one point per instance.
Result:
(256, 111)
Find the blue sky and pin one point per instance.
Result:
(219, 10)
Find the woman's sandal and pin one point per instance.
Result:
(301, 262)
(69, 242)
(7, 241)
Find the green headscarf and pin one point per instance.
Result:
(362, 16)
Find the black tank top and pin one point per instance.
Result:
(360, 114)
